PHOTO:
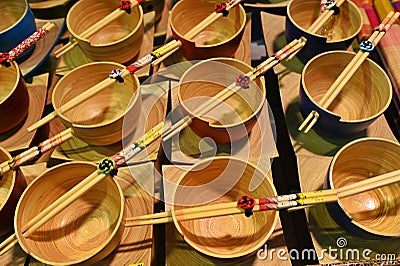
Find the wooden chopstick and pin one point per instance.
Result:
(317, 24)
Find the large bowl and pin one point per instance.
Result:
(221, 180)
(86, 231)
(120, 41)
(14, 97)
(374, 213)
(364, 98)
(98, 120)
(338, 33)
(231, 120)
(221, 38)
(16, 24)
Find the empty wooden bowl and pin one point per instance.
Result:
(12, 184)
(364, 98)
(221, 180)
(16, 24)
(374, 213)
(98, 120)
(14, 98)
(234, 118)
(120, 41)
(86, 231)
(221, 38)
(336, 34)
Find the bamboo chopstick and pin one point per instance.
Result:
(317, 24)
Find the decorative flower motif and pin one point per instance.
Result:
(125, 5)
(366, 46)
(243, 81)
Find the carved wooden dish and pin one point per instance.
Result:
(374, 212)
(98, 120)
(221, 38)
(86, 231)
(14, 98)
(227, 236)
(119, 41)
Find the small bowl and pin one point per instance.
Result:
(229, 236)
(98, 120)
(86, 231)
(12, 185)
(374, 213)
(14, 97)
(364, 98)
(343, 27)
(16, 24)
(221, 38)
(231, 120)
(120, 41)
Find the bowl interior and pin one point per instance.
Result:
(9, 77)
(366, 95)
(224, 236)
(376, 210)
(184, 16)
(86, 13)
(7, 182)
(11, 12)
(80, 230)
(339, 27)
(106, 106)
(206, 79)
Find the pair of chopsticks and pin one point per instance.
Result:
(117, 13)
(323, 18)
(344, 77)
(28, 42)
(290, 202)
(159, 54)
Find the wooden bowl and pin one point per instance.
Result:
(98, 120)
(228, 236)
(12, 185)
(221, 38)
(364, 98)
(14, 98)
(231, 120)
(376, 212)
(86, 231)
(16, 24)
(338, 33)
(119, 41)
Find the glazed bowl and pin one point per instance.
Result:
(374, 213)
(234, 118)
(86, 231)
(221, 38)
(221, 180)
(14, 98)
(337, 34)
(363, 99)
(120, 41)
(16, 24)
(98, 120)
(12, 184)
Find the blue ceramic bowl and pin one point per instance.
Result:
(16, 24)
(363, 99)
(371, 214)
(337, 34)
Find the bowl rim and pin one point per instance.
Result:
(339, 202)
(374, 64)
(19, 20)
(13, 176)
(181, 36)
(96, 251)
(15, 67)
(261, 241)
(134, 98)
(75, 35)
(355, 8)
(216, 59)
